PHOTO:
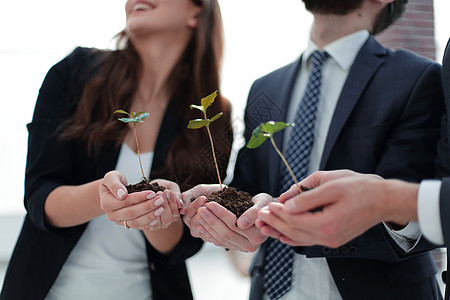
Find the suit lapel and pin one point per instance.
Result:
(284, 87)
(368, 60)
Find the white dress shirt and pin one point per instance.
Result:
(312, 278)
(109, 261)
(429, 212)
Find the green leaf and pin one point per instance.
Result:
(216, 117)
(258, 137)
(120, 111)
(142, 115)
(197, 107)
(198, 123)
(208, 100)
(127, 120)
(271, 127)
(256, 141)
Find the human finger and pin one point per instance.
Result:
(169, 214)
(313, 200)
(114, 182)
(173, 201)
(274, 224)
(196, 228)
(173, 186)
(247, 240)
(320, 177)
(140, 208)
(191, 210)
(221, 232)
(293, 191)
(204, 234)
(304, 240)
(197, 191)
(247, 219)
(266, 230)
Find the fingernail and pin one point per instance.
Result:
(290, 205)
(167, 193)
(153, 222)
(244, 221)
(200, 230)
(120, 193)
(203, 214)
(212, 208)
(159, 211)
(262, 216)
(159, 201)
(151, 195)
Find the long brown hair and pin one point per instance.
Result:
(196, 75)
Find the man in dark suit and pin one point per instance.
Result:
(379, 112)
(356, 202)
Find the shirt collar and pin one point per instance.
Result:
(343, 50)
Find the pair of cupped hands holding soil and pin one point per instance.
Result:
(215, 213)
(205, 209)
(225, 222)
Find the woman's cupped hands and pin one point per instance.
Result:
(140, 210)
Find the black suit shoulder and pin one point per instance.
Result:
(444, 151)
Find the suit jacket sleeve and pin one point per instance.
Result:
(50, 161)
(444, 151)
(408, 154)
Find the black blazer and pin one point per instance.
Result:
(445, 220)
(41, 250)
(386, 122)
(444, 162)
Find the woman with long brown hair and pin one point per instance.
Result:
(71, 246)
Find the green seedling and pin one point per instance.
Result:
(134, 119)
(205, 122)
(265, 131)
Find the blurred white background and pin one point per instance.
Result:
(261, 35)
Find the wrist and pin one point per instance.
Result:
(400, 201)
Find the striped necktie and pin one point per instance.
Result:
(279, 256)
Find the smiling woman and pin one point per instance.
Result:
(260, 37)
(164, 16)
(71, 246)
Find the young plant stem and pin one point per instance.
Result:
(138, 152)
(286, 163)
(214, 156)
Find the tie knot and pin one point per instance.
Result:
(318, 57)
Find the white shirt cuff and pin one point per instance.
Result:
(428, 210)
(406, 238)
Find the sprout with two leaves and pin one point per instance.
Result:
(205, 122)
(135, 118)
(265, 131)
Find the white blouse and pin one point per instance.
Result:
(109, 261)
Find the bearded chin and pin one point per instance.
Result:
(334, 7)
